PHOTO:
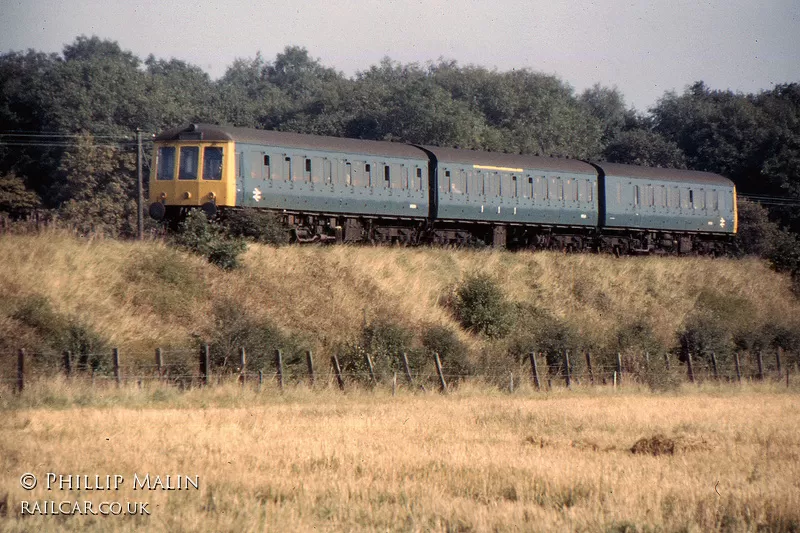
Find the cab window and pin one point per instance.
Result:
(212, 163)
(188, 168)
(166, 163)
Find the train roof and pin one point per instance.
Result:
(664, 174)
(209, 132)
(515, 161)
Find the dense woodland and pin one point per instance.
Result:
(67, 123)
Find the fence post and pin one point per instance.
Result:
(714, 366)
(242, 365)
(338, 370)
(394, 382)
(535, 371)
(689, 367)
(371, 368)
(738, 368)
(511, 382)
(442, 382)
(260, 379)
(589, 366)
(21, 370)
(619, 369)
(760, 366)
(68, 363)
(117, 374)
(778, 360)
(567, 376)
(160, 363)
(310, 363)
(407, 369)
(666, 361)
(279, 367)
(205, 357)
(787, 376)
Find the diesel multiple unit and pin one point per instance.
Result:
(347, 190)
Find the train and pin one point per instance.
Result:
(341, 190)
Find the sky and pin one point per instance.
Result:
(642, 48)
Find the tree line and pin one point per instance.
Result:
(67, 123)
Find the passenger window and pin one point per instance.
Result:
(287, 168)
(457, 183)
(684, 199)
(700, 202)
(166, 163)
(348, 174)
(327, 173)
(360, 175)
(506, 185)
(712, 200)
(267, 173)
(212, 163)
(419, 178)
(307, 169)
(188, 167)
(590, 191)
(529, 189)
(635, 195)
(691, 199)
(314, 166)
(619, 193)
(404, 180)
(368, 172)
(387, 177)
(254, 160)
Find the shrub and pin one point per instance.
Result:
(480, 306)
(59, 333)
(203, 237)
(452, 352)
(235, 329)
(258, 225)
(384, 341)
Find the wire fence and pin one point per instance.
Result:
(190, 368)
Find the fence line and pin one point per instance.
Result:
(550, 367)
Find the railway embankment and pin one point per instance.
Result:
(59, 292)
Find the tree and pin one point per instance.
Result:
(15, 198)
(96, 188)
(645, 148)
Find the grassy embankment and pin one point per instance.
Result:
(475, 460)
(55, 289)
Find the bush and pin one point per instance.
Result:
(236, 329)
(481, 307)
(198, 235)
(452, 352)
(384, 341)
(258, 225)
(59, 333)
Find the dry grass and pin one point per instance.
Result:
(476, 460)
(142, 295)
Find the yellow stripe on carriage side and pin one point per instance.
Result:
(735, 212)
(506, 169)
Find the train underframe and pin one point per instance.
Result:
(309, 228)
(337, 228)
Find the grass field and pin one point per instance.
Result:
(475, 460)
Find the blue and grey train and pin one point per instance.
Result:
(328, 189)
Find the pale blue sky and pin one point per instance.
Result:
(643, 48)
